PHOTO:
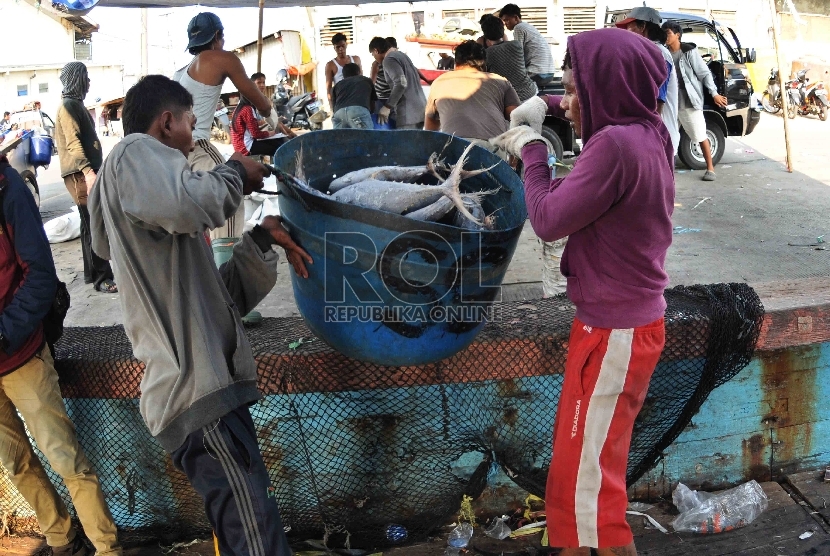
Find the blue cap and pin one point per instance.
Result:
(202, 29)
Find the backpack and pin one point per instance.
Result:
(53, 321)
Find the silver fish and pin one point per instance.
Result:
(433, 212)
(403, 198)
(403, 174)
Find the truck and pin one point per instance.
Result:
(721, 49)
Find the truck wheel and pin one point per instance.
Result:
(550, 135)
(692, 155)
(31, 182)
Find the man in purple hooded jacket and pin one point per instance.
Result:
(616, 206)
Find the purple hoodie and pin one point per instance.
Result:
(616, 204)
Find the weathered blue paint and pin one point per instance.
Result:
(772, 418)
(385, 288)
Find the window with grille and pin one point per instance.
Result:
(538, 17)
(578, 20)
(83, 46)
(336, 25)
(469, 14)
(43, 87)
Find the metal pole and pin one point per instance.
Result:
(145, 65)
(785, 101)
(259, 37)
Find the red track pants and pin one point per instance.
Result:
(606, 379)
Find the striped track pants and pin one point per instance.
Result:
(606, 379)
(223, 463)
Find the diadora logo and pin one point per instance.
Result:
(576, 419)
(587, 329)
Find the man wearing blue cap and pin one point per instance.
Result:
(203, 78)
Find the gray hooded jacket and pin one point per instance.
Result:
(148, 214)
(695, 74)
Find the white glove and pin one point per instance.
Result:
(531, 112)
(383, 115)
(273, 120)
(514, 140)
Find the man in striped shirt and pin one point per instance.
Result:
(506, 58)
(538, 58)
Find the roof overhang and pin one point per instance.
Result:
(233, 3)
(81, 23)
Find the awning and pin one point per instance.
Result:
(232, 3)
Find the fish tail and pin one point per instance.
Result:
(453, 183)
(473, 173)
(299, 172)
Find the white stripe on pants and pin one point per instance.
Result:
(601, 407)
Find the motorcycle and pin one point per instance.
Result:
(793, 98)
(813, 97)
(298, 111)
(771, 99)
(221, 128)
(26, 153)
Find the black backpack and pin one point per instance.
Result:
(53, 321)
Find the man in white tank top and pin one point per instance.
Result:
(334, 67)
(203, 77)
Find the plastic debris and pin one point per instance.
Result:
(498, 529)
(827, 475)
(460, 536)
(529, 529)
(682, 230)
(806, 535)
(639, 506)
(651, 520)
(701, 202)
(726, 166)
(703, 512)
(64, 228)
(396, 533)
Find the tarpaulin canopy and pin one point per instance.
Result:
(231, 3)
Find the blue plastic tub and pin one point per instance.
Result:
(385, 288)
(40, 152)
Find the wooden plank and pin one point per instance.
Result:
(811, 486)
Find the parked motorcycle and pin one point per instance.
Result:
(221, 128)
(813, 96)
(793, 98)
(26, 153)
(771, 99)
(298, 111)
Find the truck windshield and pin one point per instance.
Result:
(707, 44)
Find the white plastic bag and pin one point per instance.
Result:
(703, 512)
(64, 228)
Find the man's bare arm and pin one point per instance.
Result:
(330, 71)
(247, 88)
(432, 123)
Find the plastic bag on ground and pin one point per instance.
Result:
(64, 228)
(460, 536)
(703, 512)
(498, 529)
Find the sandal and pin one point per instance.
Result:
(107, 286)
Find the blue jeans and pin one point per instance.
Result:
(354, 117)
(542, 79)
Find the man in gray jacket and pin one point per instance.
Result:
(150, 213)
(407, 99)
(692, 75)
